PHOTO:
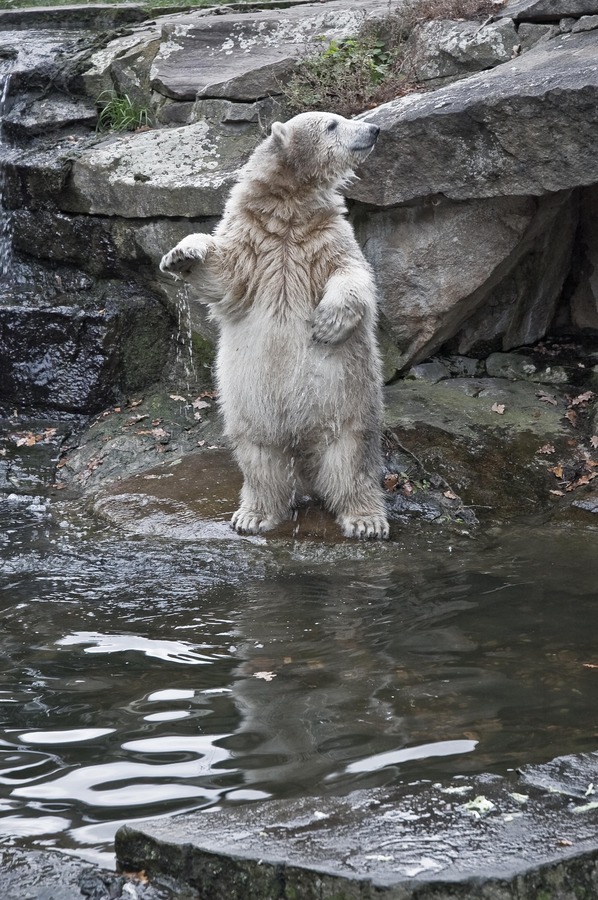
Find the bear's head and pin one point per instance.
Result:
(322, 147)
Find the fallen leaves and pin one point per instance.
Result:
(498, 408)
(575, 474)
(547, 398)
(546, 449)
(29, 439)
(586, 397)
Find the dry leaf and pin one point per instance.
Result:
(594, 441)
(557, 493)
(449, 495)
(201, 443)
(159, 433)
(563, 842)
(390, 482)
(265, 676)
(547, 398)
(135, 420)
(546, 449)
(590, 665)
(557, 470)
(407, 488)
(571, 416)
(498, 408)
(27, 440)
(201, 404)
(582, 398)
(135, 403)
(579, 482)
(178, 397)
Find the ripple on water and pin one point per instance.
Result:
(144, 677)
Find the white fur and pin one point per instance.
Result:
(298, 368)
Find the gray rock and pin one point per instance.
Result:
(184, 171)
(516, 366)
(525, 127)
(56, 355)
(443, 49)
(485, 838)
(96, 16)
(428, 285)
(519, 307)
(432, 372)
(547, 10)
(97, 77)
(586, 23)
(31, 117)
(584, 300)
(530, 34)
(245, 57)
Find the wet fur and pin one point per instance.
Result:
(298, 368)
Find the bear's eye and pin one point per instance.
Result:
(332, 126)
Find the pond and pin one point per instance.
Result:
(143, 677)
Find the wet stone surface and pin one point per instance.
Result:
(43, 875)
(483, 837)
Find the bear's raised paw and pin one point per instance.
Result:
(191, 250)
(364, 527)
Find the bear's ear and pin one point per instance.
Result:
(280, 134)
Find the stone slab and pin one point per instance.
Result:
(483, 837)
(527, 127)
(184, 171)
(547, 10)
(246, 56)
(96, 16)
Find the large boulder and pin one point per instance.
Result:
(527, 127)
(584, 301)
(447, 49)
(548, 10)
(163, 172)
(245, 56)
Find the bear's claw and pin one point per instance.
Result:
(365, 527)
(249, 521)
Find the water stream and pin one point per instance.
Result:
(5, 219)
(144, 677)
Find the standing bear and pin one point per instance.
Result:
(298, 368)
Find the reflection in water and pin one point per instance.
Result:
(143, 678)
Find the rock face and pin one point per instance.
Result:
(477, 209)
(526, 127)
(445, 49)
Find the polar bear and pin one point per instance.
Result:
(298, 367)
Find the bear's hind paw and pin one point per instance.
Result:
(365, 527)
(249, 521)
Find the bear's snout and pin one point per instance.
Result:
(375, 129)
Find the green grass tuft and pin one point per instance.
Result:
(117, 112)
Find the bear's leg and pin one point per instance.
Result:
(268, 487)
(348, 481)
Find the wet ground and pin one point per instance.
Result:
(144, 676)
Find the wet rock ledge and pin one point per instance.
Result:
(530, 836)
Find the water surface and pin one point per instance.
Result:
(145, 677)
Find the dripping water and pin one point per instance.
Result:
(5, 218)
(184, 338)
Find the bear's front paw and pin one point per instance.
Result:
(365, 527)
(330, 326)
(181, 259)
(250, 521)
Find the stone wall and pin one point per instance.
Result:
(477, 208)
